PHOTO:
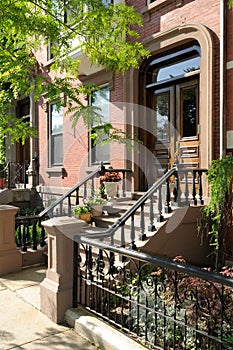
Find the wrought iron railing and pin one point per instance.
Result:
(177, 187)
(15, 174)
(163, 304)
(30, 232)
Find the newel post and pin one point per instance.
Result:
(57, 287)
(10, 257)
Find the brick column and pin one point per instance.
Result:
(10, 257)
(56, 289)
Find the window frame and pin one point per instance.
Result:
(93, 149)
(52, 135)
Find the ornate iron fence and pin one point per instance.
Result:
(163, 304)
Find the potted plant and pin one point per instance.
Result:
(110, 179)
(96, 203)
(83, 212)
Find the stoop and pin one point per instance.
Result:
(99, 332)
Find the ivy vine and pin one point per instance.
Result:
(216, 216)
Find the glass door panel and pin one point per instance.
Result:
(188, 117)
(164, 118)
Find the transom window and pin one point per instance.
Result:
(173, 66)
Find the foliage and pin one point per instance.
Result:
(107, 35)
(215, 217)
(81, 209)
(96, 199)
(176, 309)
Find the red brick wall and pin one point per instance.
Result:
(229, 74)
(161, 18)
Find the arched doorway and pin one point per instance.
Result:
(188, 96)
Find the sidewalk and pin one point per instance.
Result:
(22, 325)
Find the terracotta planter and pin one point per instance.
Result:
(86, 217)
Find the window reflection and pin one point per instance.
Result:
(162, 116)
(189, 111)
(178, 69)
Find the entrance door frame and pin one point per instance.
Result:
(161, 42)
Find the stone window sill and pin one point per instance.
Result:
(56, 172)
(159, 3)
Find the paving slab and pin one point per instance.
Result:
(60, 341)
(22, 325)
(25, 278)
(31, 295)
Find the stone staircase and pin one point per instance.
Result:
(175, 235)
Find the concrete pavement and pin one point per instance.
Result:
(22, 325)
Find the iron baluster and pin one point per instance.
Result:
(34, 235)
(194, 200)
(123, 183)
(186, 187)
(177, 189)
(100, 265)
(160, 217)
(167, 208)
(200, 191)
(142, 236)
(111, 263)
(24, 245)
(123, 236)
(77, 197)
(85, 191)
(19, 241)
(42, 235)
(89, 263)
(92, 187)
(69, 206)
(28, 233)
(132, 244)
(151, 226)
(121, 257)
(60, 209)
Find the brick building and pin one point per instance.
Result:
(178, 102)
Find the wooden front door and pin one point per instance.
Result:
(176, 125)
(171, 91)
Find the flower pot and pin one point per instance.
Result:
(86, 217)
(97, 209)
(111, 189)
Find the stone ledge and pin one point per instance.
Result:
(99, 332)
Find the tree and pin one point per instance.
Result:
(108, 36)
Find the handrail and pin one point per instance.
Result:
(68, 193)
(160, 261)
(141, 200)
(156, 186)
(99, 171)
(111, 230)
